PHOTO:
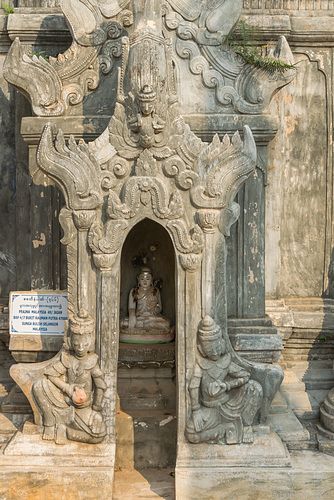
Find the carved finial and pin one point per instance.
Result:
(147, 93)
(82, 323)
(208, 329)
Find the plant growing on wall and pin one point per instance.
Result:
(8, 10)
(245, 42)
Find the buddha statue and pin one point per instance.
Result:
(145, 319)
(69, 395)
(224, 399)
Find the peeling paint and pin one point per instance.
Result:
(287, 98)
(41, 242)
(166, 421)
(143, 424)
(290, 125)
(251, 275)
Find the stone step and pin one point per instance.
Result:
(144, 484)
(329, 408)
(135, 401)
(251, 322)
(145, 439)
(290, 430)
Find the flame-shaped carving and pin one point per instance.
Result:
(224, 167)
(36, 79)
(72, 167)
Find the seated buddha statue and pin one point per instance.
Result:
(145, 309)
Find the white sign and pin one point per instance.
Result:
(35, 313)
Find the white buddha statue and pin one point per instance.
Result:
(145, 306)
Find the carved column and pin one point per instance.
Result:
(107, 299)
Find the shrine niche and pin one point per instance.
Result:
(149, 170)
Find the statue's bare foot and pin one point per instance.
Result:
(248, 436)
(49, 433)
(61, 437)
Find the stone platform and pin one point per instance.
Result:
(34, 469)
(309, 476)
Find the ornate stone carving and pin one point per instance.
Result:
(198, 32)
(232, 163)
(248, 89)
(71, 166)
(225, 393)
(185, 241)
(148, 164)
(83, 219)
(106, 239)
(69, 395)
(208, 220)
(104, 261)
(55, 85)
(191, 261)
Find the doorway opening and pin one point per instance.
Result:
(146, 412)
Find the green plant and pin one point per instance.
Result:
(40, 54)
(323, 338)
(245, 41)
(8, 10)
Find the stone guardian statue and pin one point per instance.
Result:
(69, 395)
(224, 399)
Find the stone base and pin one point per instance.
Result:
(310, 475)
(255, 339)
(325, 440)
(267, 450)
(16, 402)
(36, 469)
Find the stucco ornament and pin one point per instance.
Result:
(195, 30)
(70, 392)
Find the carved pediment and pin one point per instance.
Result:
(193, 30)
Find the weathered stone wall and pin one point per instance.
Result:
(8, 201)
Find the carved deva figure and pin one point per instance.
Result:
(69, 396)
(147, 123)
(224, 401)
(145, 323)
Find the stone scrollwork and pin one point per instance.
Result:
(98, 34)
(106, 239)
(198, 38)
(53, 86)
(185, 178)
(43, 86)
(186, 242)
(67, 224)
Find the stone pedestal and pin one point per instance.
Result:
(41, 469)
